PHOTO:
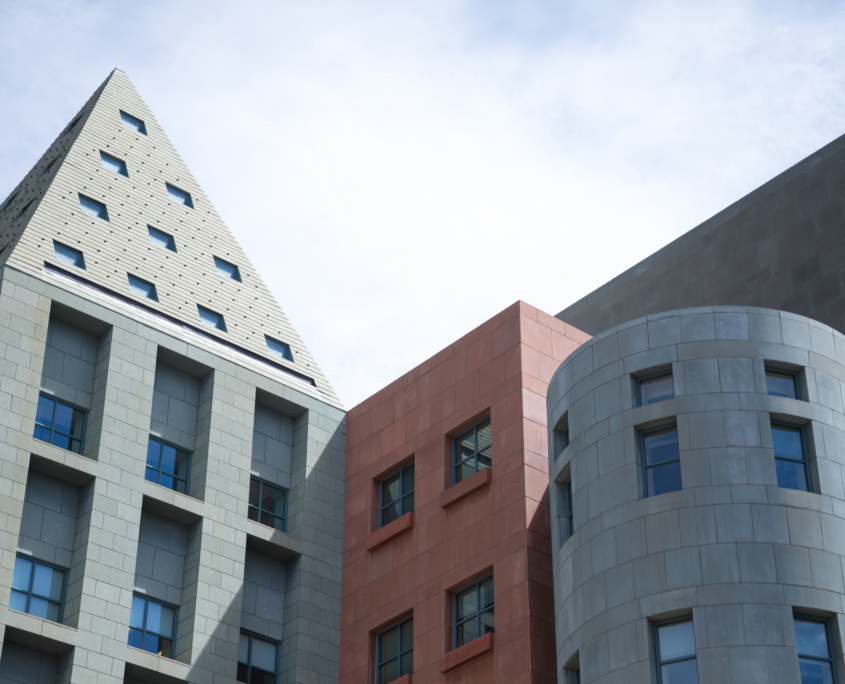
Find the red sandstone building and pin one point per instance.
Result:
(447, 573)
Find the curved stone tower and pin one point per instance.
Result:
(698, 508)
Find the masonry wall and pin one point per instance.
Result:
(272, 446)
(731, 549)
(69, 360)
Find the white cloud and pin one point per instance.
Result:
(401, 171)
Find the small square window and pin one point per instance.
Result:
(791, 457)
(168, 466)
(113, 164)
(161, 239)
(655, 388)
(37, 589)
(69, 255)
(267, 504)
(209, 317)
(49, 166)
(72, 125)
(133, 122)
(60, 424)
(661, 461)
(226, 269)
(10, 200)
(473, 611)
(142, 288)
(396, 494)
(152, 626)
(258, 659)
(280, 349)
(782, 383)
(23, 211)
(179, 196)
(93, 207)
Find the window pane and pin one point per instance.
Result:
(467, 631)
(388, 644)
(168, 615)
(484, 460)
(113, 164)
(243, 649)
(815, 672)
(483, 439)
(254, 492)
(685, 672)
(811, 638)
(661, 446)
(135, 124)
(466, 603)
(77, 422)
(273, 500)
(91, 207)
(47, 582)
(151, 475)
(787, 442)
(168, 458)
(153, 616)
(407, 629)
(161, 239)
(181, 486)
(791, 475)
(488, 622)
(142, 288)
(153, 453)
(152, 643)
(465, 445)
(53, 611)
(38, 607)
(263, 654)
(463, 471)
(17, 601)
(23, 574)
(781, 385)
(61, 441)
(676, 640)
(64, 418)
(260, 677)
(388, 672)
(41, 433)
(408, 503)
(486, 588)
(178, 195)
(664, 478)
(44, 414)
(181, 466)
(210, 318)
(243, 673)
(390, 513)
(280, 349)
(136, 619)
(136, 637)
(657, 389)
(408, 479)
(165, 647)
(252, 513)
(273, 521)
(166, 481)
(390, 489)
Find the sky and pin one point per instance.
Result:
(401, 171)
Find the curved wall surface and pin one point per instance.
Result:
(731, 550)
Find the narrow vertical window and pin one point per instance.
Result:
(473, 611)
(161, 239)
(577, 675)
(661, 461)
(133, 123)
(675, 644)
(224, 268)
(267, 504)
(209, 317)
(152, 626)
(93, 208)
(280, 349)
(60, 424)
(168, 466)
(655, 388)
(37, 589)
(395, 651)
(258, 659)
(564, 511)
(397, 495)
(790, 457)
(780, 383)
(113, 164)
(69, 255)
(471, 451)
(561, 441)
(815, 656)
(179, 196)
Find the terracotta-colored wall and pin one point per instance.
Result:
(501, 368)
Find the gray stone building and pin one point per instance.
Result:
(171, 456)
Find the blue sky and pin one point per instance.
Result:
(401, 171)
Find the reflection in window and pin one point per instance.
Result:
(280, 349)
(257, 659)
(397, 494)
(69, 255)
(37, 589)
(167, 465)
(676, 662)
(93, 208)
(161, 239)
(655, 388)
(781, 384)
(474, 611)
(815, 658)
(133, 123)
(152, 626)
(471, 450)
(224, 268)
(60, 424)
(209, 317)
(179, 196)
(142, 288)
(267, 504)
(790, 457)
(395, 652)
(113, 164)
(661, 461)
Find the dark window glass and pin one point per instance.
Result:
(257, 659)
(72, 125)
(661, 461)
(676, 662)
(209, 317)
(267, 504)
(815, 657)
(142, 288)
(59, 424)
(561, 441)
(280, 349)
(656, 388)
(161, 239)
(37, 589)
(790, 457)
(577, 675)
(395, 652)
(10, 200)
(168, 465)
(564, 511)
(397, 494)
(49, 166)
(69, 255)
(224, 268)
(93, 208)
(781, 384)
(179, 196)
(113, 164)
(152, 626)
(133, 123)
(471, 450)
(23, 211)
(473, 611)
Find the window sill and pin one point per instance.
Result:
(467, 653)
(466, 487)
(389, 531)
(404, 679)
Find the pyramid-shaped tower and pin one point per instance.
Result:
(171, 457)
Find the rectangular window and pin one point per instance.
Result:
(257, 659)
(395, 651)
(93, 207)
(267, 504)
(69, 255)
(168, 466)
(37, 589)
(179, 196)
(561, 441)
(471, 451)
(60, 424)
(280, 349)
(224, 268)
(577, 675)
(473, 611)
(113, 164)
(142, 288)
(397, 495)
(563, 493)
(152, 626)
(815, 656)
(661, 461)
(133, 122)
(675, 645)
(655, 388)
(781, 383)
(23, 211)
(209, 317)
(790, 457)
(49, 166)
(161, 239)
